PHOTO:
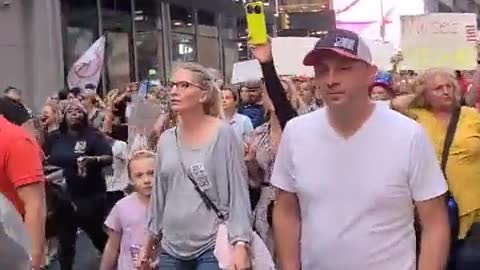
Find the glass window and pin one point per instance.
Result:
(148, 15)
(231, 48)
(117, 60)
(183, 48)
(78, 40)
(148, 37)
(242, 28)
(242, 34)
(229, 27)
(181, 19)
(116, 15)
(117, 26)
(207, 24)
(209, 52)
(230, 56)
(149, 54)
(81, 29)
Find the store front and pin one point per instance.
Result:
(147, 34)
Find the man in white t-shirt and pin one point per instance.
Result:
(349, 176)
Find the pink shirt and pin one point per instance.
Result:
(128, 217)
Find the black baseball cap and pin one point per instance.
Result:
(342, 42)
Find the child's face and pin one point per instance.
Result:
(141, 174)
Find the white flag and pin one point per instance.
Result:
(88, 68)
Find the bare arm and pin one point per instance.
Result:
(401, 103)
(286, 230)
(435, 240)
(33, 198)
(472, 95)
(148, 251)
(112, 249)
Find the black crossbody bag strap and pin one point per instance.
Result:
(203, 195)
(452, 127)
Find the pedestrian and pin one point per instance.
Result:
(21, 175)
(241, 124)
(252, 105)
(346, 190)
(127, 224)
(82, 152)
(200, 180)
(95, 113)
(434, 105)
(116, 177)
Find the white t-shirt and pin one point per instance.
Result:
(356, 194)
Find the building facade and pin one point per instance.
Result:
(470, 6)
(42, 39)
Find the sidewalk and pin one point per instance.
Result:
(86, 257)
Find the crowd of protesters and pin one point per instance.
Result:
(316, 167)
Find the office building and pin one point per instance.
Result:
(41, 39)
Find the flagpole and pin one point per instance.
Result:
(382, 22)
(100, 33)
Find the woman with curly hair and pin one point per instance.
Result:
(434, 102)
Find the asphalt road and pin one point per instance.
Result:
(86, 257)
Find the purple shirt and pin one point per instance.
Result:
(128, 217)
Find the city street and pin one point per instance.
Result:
(86, 257)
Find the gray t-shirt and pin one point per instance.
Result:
(176, 209)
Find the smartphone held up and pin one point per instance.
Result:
(256, 23)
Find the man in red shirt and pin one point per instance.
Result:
(21, 181)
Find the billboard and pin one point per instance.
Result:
(375, 19)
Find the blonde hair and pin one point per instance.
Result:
(420, 86)
(111, 96)
(140, 154)
(203, 77)
(292, 93)
(95, 99)
(56, 109)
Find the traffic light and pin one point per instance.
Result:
(284, 21)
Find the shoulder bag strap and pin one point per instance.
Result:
(203, 195)
(452, 127)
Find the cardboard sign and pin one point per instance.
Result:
(246, 71)
(288, 53)
(439, 40)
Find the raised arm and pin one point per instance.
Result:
(283, 108)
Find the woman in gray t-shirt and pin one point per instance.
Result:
(202, 149)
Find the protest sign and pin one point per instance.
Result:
(381, 52)
(288, 53)
(246, 71)
(446, 40)
(144, 116)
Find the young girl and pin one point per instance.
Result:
(126, 224)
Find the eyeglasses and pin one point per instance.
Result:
(183, 85)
